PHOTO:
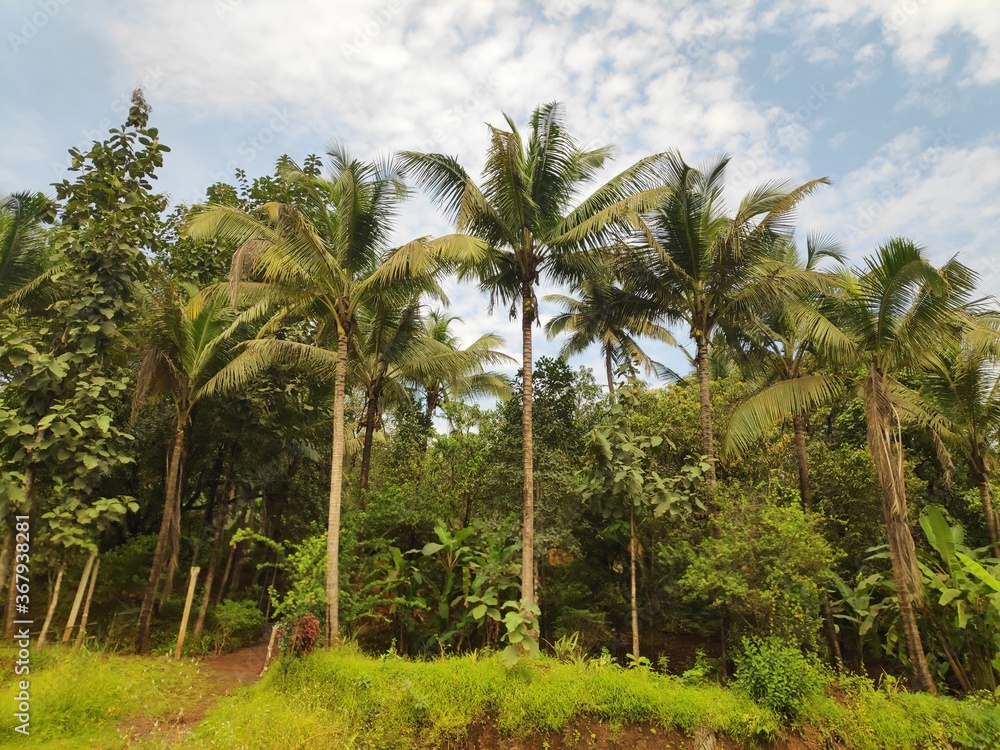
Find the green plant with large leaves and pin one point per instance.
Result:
(529, 213)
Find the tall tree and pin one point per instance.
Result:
(470, 381)
(598, 316)
(396, 347)
(965, 387)
(189, 337)
(319, 261)
(695, 263)
(896, 315)
(528, 214)
(780, 350)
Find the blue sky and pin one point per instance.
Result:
(897, 101)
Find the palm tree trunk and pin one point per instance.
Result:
(985, 496)
(175, 551)
(633, 542)
(887, 456)
(371, 413)
(171, 505)
(829, 628)
(527, 451)
(705, 407)
(336, 494)
(610, 372)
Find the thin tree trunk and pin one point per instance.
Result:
(799, 425)
(6, 556)
(80, 589)
(705, 407)
(156, 569)
(82, 632)
(220, 534)
(336, 495)
(226, 572)
(985, 496)
(611, 373)
(175, 552)
(888, 459)
(53, 602)
(528, 452)
(371, 413)
(632, 544)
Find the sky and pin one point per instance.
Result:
(896, 101)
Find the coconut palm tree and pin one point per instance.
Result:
(527, 212)
(780, 350)
(320, 261)
(396, 347)
(189, 337)
(597, 317)
(22, 244)
(965, 387)
(896, 315)
(694, 262)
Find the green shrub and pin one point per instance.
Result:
(236, 624)
(777, 676)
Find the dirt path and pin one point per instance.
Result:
(222, 674)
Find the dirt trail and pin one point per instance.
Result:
(222, 674)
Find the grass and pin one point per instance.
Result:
(85, 698)
(345, 699)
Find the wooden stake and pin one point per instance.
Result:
(82, 632)
(187, 611)
(270, 650)
(52, 606)
(79, 598)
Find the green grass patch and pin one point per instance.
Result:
(83, 699)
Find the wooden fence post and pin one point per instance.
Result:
(187, 611)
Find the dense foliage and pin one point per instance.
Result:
(268, 386)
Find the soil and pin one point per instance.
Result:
(221, 675)
(590, 734)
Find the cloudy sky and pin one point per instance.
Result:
(897, 101)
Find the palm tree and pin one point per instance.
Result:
(525, 213)
(781, 351)
(965, 387)
(896, 315)
(597, 317)
(472, 379)
(22, 244)
(321, 261)
(694, 263)
(188, 341)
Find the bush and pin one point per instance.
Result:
(777, 676)
(300, 635)
(237, 624)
